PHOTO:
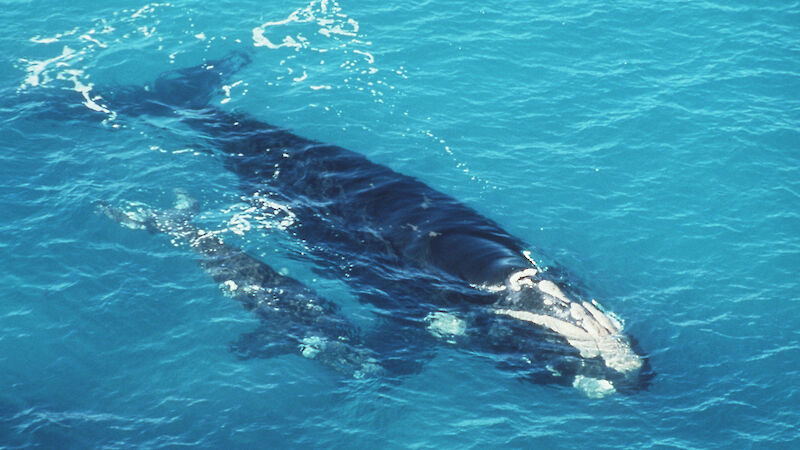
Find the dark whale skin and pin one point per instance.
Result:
(403, 246)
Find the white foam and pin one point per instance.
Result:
(370, 58)
(227, 90)
(36, 69)
(90, 38)
(41, 40)
(321, 27)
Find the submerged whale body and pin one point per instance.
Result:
(294, 319)
(438, 269)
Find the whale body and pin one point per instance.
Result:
(435, 266)
(294, 318)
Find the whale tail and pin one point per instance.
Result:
(173, 93)
(189, 88)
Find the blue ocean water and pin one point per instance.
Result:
(653, 149)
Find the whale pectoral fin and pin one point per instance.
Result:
(403, 348)
(263, 343)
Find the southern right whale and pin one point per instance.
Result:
(293, 318)
(430, 262)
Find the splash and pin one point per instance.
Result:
(325, 49)
(40, 72)
(325, 17)
(72, 53)
(258, 212)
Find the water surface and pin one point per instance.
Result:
(651, 149)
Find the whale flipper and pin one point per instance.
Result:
(404, 347)
(263, 343)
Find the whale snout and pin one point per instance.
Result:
(607, 361)
(588, 336)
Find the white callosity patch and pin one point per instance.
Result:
(311, 346)
(576, 336)
(552, 289)
(368, 369)
(522, 278)
(229, 288)
(584, 320)
(608, 321)
(270, 210)
(251, 289)
(593, 387)
(592, 332)
(613, 348)
(445, 325)
(529, 257)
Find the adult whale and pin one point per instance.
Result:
(429, 261)
(293, 318)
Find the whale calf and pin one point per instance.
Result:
(434, 265)
(293, 318)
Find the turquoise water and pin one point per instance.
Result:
(651, 149)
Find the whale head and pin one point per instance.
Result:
(576, 341)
